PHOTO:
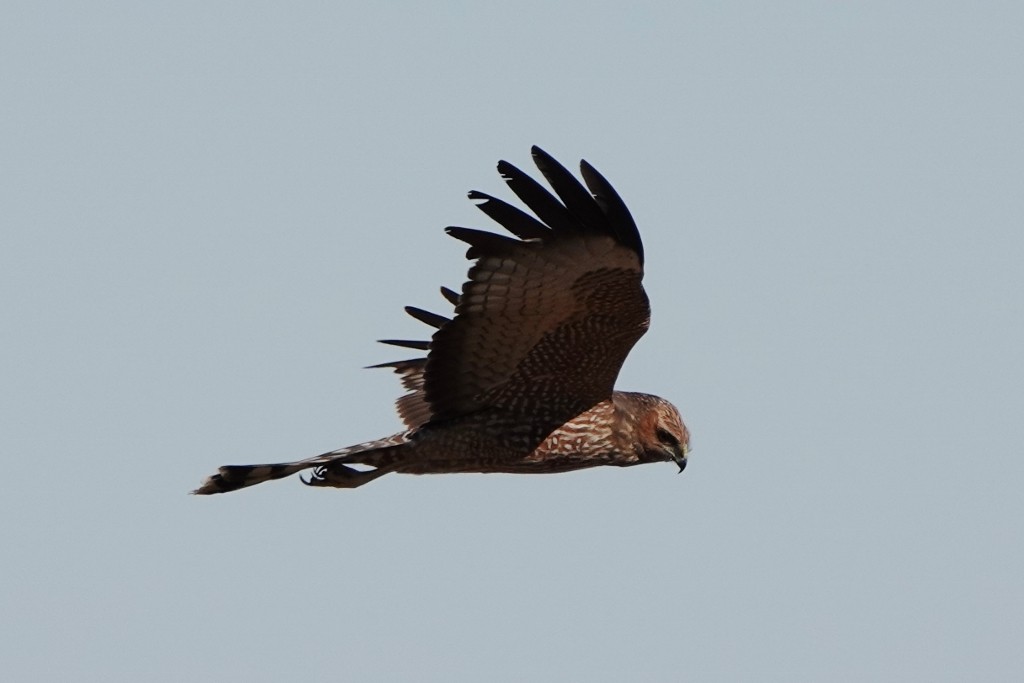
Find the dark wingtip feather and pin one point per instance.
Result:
(451, 296)
(482, 242)
(548, 209)
(516, 221)
(426, 317)
(399, 365)
(573, 194)
(611, 204)
(407, 343)
(506, 170)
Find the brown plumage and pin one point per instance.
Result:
(521, 379)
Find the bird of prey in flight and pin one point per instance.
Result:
(521, 378)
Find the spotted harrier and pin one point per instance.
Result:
(521, 378)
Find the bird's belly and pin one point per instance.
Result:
(497, 457)
(494, 446)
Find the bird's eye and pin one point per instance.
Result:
(666, 437)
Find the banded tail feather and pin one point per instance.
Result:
(329, 469)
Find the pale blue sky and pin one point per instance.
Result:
(210, 211)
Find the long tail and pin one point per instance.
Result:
(234, 477)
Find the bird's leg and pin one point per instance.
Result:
(342, 476)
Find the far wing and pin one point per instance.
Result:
(545, 321)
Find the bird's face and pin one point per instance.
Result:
(672, 437)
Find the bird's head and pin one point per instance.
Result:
(672, 435)
(660, 430)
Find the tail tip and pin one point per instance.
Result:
(213, 484)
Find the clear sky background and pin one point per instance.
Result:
(211, 210)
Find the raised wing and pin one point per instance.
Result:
(545, 321)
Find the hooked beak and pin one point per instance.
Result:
(680, 457)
